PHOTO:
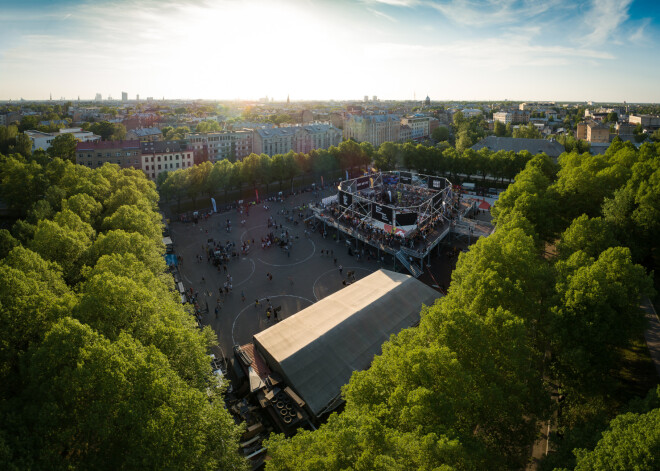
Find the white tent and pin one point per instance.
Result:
(317, 349)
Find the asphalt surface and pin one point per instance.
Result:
(298, 280)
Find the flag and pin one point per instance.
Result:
(346, 174)
(256, 192)
(215, 208)
(322, 184)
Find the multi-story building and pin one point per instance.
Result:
(274, 141)
(94, 154)
(597, 132)
(512, 117)
(165, 156)
(316, 136)
(471, 112)
(503, 117)
(230, 145)
(593, 131)
(405, 133)
(647, 121)
(581, 130)
(419, 126)
(372, 128)
(43, 140)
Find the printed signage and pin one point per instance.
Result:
(406, 219)
(405, 177)
(362, 183)
(345, 199)
(381, 213)
(437, 183)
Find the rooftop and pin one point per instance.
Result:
(551, 148)
(132, 144)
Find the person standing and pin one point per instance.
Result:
(341, 269)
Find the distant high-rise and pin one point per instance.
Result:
(124, 97)
(427, 102)
(288, 100)
(98, 97)
(366, 98)
(375, 98)
(137, 97)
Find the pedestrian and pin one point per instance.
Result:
(275, 314)
(335, 260)
(340, 269)
(256, 303)
(216, 312)
(268, 314)
(242, 296)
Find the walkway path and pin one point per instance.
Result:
(652, 333)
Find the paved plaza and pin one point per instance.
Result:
(298, 279)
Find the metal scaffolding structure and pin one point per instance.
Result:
(357, 198)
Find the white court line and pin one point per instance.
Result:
(233, 325)
(248, 278)
(292, 264)
(329, 271)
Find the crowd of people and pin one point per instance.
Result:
(418, 239)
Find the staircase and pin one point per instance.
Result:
(413, 268)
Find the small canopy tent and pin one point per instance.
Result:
(317, 349)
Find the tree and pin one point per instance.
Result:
(632, 441)
(23, 145)
(530, 132)
(589, 235)
(500, 129)
(387, 156)
(64, 147)
(440, 134)
(121, 416)
(597, 311)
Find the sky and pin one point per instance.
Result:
(558, 50)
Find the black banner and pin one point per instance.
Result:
(381, 213)
(437, 183)
(362, 183)
(345, 199)
(406, 219)
(405, 177)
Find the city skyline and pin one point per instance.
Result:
(319, 50)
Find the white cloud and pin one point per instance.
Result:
(638, 36)
(493, 12)
(604, 18)
(395, 3)
(382, 15)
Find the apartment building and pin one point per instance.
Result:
(405, 133)
(372, 128)
(512, 117)
(316, 136)
(419, 126)
(593, 131)
(94, 154)
(647, 121)
(230, 145)
(597, 132)
(271, 141)
(165, 156)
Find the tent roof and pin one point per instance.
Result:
(317, 349)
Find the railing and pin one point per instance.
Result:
(412, 268)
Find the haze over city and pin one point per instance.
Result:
(603, 50)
